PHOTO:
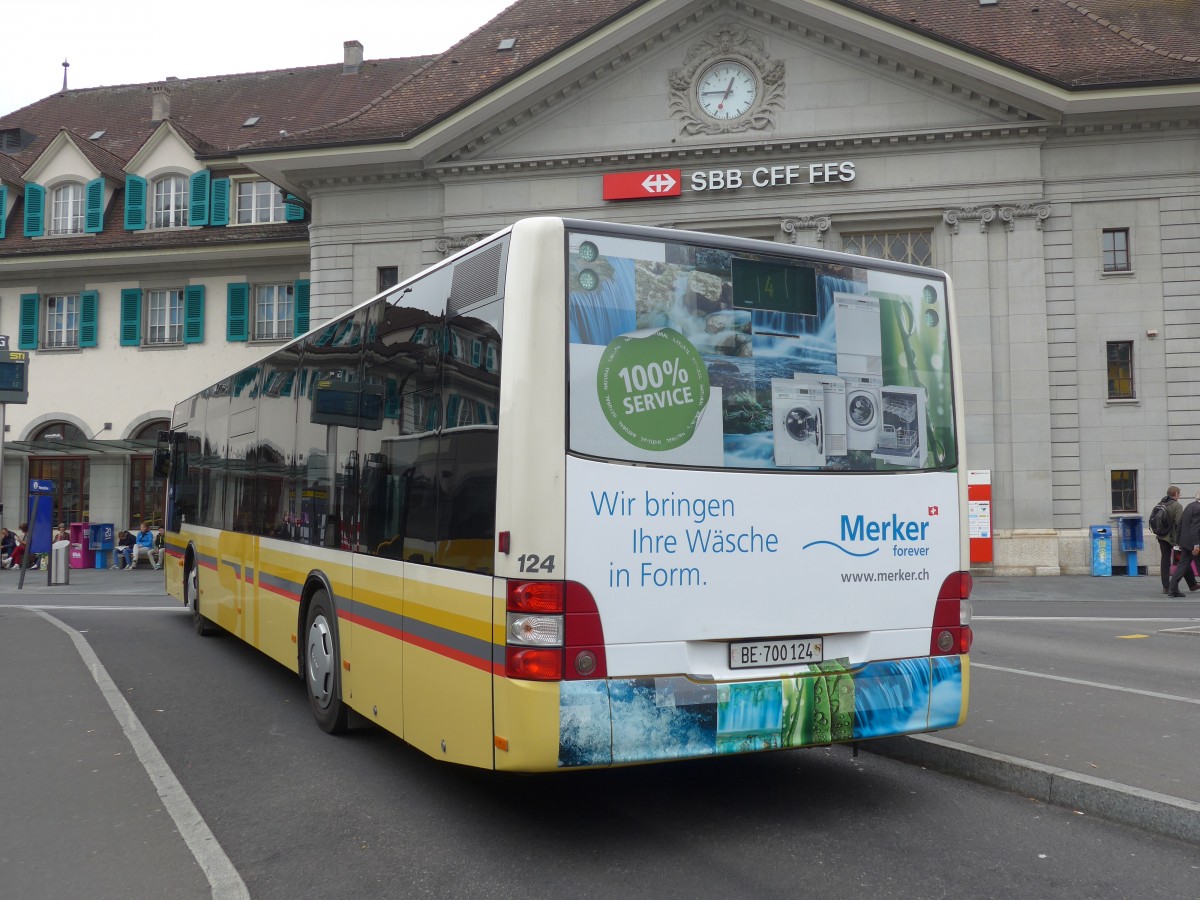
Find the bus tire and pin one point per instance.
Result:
(191, 593)
(322, 665)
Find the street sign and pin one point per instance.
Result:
(14, 375)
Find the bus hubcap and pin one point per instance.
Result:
(321, 663)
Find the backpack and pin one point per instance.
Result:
(1160, 520)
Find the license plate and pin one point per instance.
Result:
(755, 654)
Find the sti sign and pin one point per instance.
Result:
(656, 183)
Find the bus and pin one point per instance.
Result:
(588, 494)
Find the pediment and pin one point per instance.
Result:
(164, 151)
(61, 160)
(812, 85)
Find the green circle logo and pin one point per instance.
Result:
(653, 389)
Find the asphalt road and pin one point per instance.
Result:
(296, 813)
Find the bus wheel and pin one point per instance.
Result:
(321, 666)
(191, 592)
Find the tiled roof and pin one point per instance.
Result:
(469, 69)
(1074, 44)
(1078, 44)
(108, 164)
(208, 112)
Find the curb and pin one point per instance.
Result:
(1148, 810)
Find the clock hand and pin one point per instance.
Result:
(728, 91)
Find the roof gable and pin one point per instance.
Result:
(810, 88)
(166, 148)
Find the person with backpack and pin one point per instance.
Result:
(1188, 543)
(1165, 520)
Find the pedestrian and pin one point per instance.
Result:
(1189, 546)
(144, 540)
(1168, 543)
(8, 543)
(123, 551)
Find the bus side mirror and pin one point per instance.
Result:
(162, 463)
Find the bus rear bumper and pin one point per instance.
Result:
(621, 721)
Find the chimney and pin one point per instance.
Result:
(352, 58)
(160, 99)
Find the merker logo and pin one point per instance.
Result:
(859, 530)
(895, 529)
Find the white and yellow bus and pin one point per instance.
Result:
(588, 494)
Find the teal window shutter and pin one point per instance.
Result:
(300, 293)
(219, 214)
(3, 209)
(93, 217)
(198, 198)
(237, 312)
(391, 405)
(131, 317)
(35, 212)
(89, 301)
(27, 331)
(292, 210)
(135, 203)
(193, 314)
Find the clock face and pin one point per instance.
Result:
(727, 90)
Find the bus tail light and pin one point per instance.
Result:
(553, 632)
(952, 633)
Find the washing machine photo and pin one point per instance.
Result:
(834, 389)
(901, 439)
(863, 411)
(859, 335)
(797, 411)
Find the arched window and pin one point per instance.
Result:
(170, 202)
(68, 474)
(58, 431)
(66, 209)
(145, 491)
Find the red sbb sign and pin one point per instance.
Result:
(643, 185)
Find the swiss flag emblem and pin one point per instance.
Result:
(643, 185)
(933, 511)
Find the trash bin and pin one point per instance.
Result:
(60, 558)
(101, 538)
(1101, 549)
(1131, 541)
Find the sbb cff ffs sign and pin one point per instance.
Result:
(643, 185)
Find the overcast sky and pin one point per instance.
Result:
(135, 41)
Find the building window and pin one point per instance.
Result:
(900, 246)
(66, 209)
(258, 202)
(70, 478)
(1124, 490)
(1116, 250)
(1120, 370)
(171, 202)
(274, 311)
(146, 492)
(62, 320)
(389, 276)
(164, 317)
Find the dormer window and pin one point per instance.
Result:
(66, 211)
(171, 202)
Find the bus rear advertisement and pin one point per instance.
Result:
(588, 494)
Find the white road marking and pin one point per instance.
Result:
(222, 877)
(1095, 684)
(88, 607)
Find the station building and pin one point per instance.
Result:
(159, 236)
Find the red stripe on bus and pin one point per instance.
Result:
(424, 643)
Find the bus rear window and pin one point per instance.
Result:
(704, 356)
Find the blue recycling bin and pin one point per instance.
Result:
(101, 538)
(1101, 549)
(1132, 541)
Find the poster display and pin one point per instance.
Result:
(692, 355)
